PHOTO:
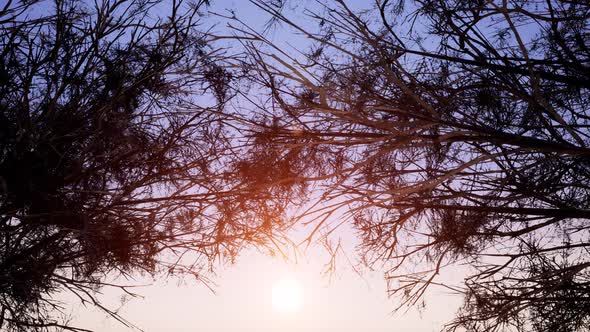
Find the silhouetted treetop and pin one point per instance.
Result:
(448, 133)
(112, 152)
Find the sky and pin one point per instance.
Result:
(243, 301)
(242, 297)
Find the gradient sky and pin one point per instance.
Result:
(242, 302)
(242, 298)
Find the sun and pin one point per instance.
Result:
(287, 296)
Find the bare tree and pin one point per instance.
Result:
(112, 152)
(448, 133)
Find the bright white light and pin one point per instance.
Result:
(287, 296)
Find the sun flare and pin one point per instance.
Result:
(287, 296)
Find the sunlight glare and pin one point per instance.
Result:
(287, 296)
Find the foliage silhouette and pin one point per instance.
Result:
(449, 133)
(111, 153)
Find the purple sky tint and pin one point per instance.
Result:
(242, 302)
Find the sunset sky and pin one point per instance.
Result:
(243, 302)
(294, 165)
(345, 301)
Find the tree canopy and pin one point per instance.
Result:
(111, 152)
(449, 133)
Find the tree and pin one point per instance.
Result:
(448, 133)
(112, 152)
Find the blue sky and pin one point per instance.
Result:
(345, 301)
